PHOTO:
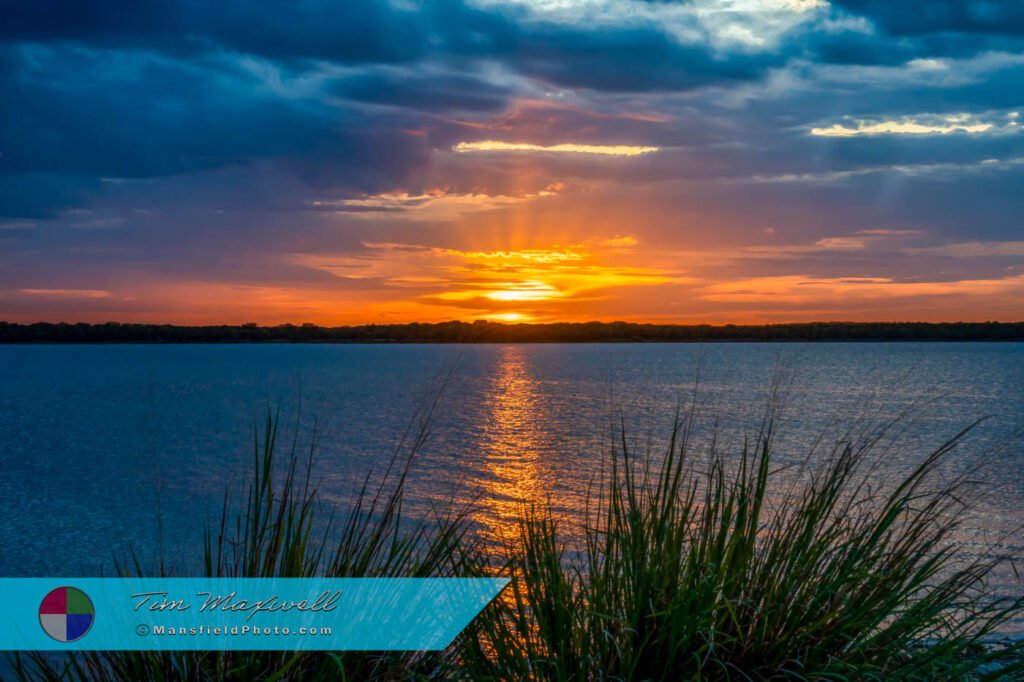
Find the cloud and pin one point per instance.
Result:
(529, 284)
(840, 243)
(562, 148)
(803, 290)
(883, 232)
(433, 204)
(66, 293)
(918, 17)
(267, 154)
(75, 118)
(972, 249)
(923, 170)
(627, 241)
(426, 89)
(604, 55)
(354, 31)
(925, 124)
(723, 23)
(526, 256)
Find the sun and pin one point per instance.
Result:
(509, 317)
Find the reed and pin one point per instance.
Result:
(694, 572)
(694, 566)
(284, 530)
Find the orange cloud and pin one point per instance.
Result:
(803, 290)
(433, 204)
(522, 284)
(66, 293)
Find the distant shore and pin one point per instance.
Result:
(495, 332)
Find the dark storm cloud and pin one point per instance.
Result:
(378, 31)
(880, 48)
(629, 60)
(918, 17)
(137, 90)
(39, 195)
(916, 29)
(136, 115)
(74, 116)
(429, 92)
(976, 85)
(350, 31)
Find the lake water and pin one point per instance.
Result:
(87, 431)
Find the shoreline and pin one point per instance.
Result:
(482, 332)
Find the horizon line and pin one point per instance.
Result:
(501, 323)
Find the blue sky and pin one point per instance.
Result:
(383, 161)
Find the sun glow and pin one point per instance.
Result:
(525, 291)
(564, 148)
(518, 283)
(535, 255)
(508, 317)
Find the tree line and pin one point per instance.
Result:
(495, 332)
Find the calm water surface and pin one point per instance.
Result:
(89, 433)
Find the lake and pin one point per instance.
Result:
(91, 432)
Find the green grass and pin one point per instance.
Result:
(691, 566)
(698, 572)
(283, 530)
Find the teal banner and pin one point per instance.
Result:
(239, 613)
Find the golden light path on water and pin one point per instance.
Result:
(511, 444)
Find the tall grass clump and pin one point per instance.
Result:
(698, 565)
(284, 530)
(704, 570)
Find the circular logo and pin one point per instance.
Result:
(66, 614)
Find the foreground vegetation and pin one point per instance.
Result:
(712, 567)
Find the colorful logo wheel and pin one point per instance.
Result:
(66, 614)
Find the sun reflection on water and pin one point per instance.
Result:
(511, 443)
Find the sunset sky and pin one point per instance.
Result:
(531, 160)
